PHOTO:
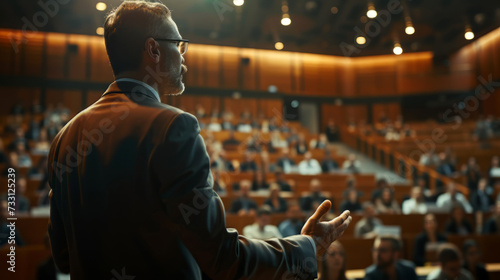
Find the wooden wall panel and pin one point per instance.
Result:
(56, 50)
(32, 49)
(14, 95)
(100, 70)
(237, 106)
(77, 61)
(390, 110)
(230, 68)
(8, 47)
(275, 69)
(271, 108)
(72, 99)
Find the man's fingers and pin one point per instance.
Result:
(340, 219)
(321, 211)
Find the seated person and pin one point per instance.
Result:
(333, 263)
(429, 235)
(457, 224)
(329, 164)
(492, 225)
(365, 228)
(332, 132)
(480, 199)
(309, 166)
(214, 125)
(351, 203)
(320, 143)
(301, 146)
(472, 257)
(262, 228)
(352, 164)
(259, 181)
(387, 204)
(294, 222)
(22, 204)
(416, 204)
(285, 162)
(314, 198)
(243, 204)
(450, 265)
(387, 265)
(446, 167)
(275, 202)
(451, 196)
(280, 180)
(377, 193)
(248, 164)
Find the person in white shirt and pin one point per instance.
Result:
(416, 204)
(352, 164)
(262, 228)
(214, 125)
(447, 199)
(309, 166)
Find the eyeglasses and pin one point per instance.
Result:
(182, 44)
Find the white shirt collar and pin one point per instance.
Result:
(143, 84)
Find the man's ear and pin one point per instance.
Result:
(152, 49)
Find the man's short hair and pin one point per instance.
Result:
(127, 27)
(395, 242)
(448, 253)
(264, 210)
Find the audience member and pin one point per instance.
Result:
(481, 199)
(231, 141)
(328, 164)
(430, 235)
(312, 200)
(492, 225)
(446, 167)
(352, 164)
(309, 165)
(259, 181)
(243, 204)
(285, 162)
(452, 196)
(214, 125)
(416, 204)
(294, 223)
(429, 159)
(248, 164)
(494, 170)
(254, 143)
(23, 157)
(457, 224)
(450, 263)
(275, 201)
(332, 132)
(42, 144)
(352, 202)
(262, 228)
(365, 228)
(377, 193)
(387, 265)
(280, 180)
(472, 174)
(321, 142)
(301, 145)
(227, 123)
(333, 263)
(20, 139)
(472, 257)
(276, 141)
(387, 204)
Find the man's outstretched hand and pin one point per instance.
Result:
(324, 233)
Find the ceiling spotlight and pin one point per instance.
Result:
(101, 6)
(397, 49)
(469, 35)
(99, 31)
(371, 13)
(360, 40)
(279, 46)
(409, 27)
(286, 21)
(238, 2)
(334, 10)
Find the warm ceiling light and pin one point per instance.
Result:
(286, 21)
(101, 6)
(397, 49)
(410, 30)
(371, 13)
(334, 10)
(279, 46)
(99, 31)
(360, 40)
(238, 2)
(469, 35)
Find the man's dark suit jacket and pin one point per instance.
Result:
(131, 194)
